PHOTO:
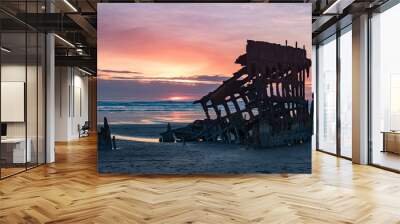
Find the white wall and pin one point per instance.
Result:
(71, 102)
(17, 73)
(80, 110)
(62, 82)
(14, 73)
(33, 126)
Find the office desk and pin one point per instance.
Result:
(13, 150)
(391, 141)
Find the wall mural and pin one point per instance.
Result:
(204, 88)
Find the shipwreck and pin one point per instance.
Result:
(263, 104)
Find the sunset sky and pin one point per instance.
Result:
(183, 51)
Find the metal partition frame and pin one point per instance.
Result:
(389, 4)
(30, 29)
(338, 34)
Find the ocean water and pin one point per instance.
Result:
(137, 127)
(144, 112)
(155, 112)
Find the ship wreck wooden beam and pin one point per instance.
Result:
(263, 103)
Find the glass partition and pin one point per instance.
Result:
(346, 92)
(327, 95)
(14, 153)
(385, 89)
(22, 77)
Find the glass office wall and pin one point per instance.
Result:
(22, 92)
(13, 86)
(334, 95)
(326, 103)
(345, 58)
(385, 89)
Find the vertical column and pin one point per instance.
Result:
(50, 98)
(50, 92)
(360, 90)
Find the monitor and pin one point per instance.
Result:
(3, 129)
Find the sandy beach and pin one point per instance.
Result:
(138, 152)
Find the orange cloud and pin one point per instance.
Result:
(171, 46)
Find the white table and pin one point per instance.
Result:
(20, 155)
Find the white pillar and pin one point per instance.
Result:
(360, 90)
(50, 98)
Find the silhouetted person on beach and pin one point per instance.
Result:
(114, 142)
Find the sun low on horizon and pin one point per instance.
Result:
(180, 52)
(179, 98)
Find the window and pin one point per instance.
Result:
(345, 92)
(385, 89)
(327, 95)
(22, 98)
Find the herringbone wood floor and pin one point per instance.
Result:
(71, 191)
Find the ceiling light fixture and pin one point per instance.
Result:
(64, 40)
(5, 50)
(84, 71)
(79, 51)
(327, 11)
(70, 5)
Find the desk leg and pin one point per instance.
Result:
(384, 142)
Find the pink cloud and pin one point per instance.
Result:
(175, 41)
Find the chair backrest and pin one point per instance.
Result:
(86, 125)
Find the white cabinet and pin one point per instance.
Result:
(19, 154)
